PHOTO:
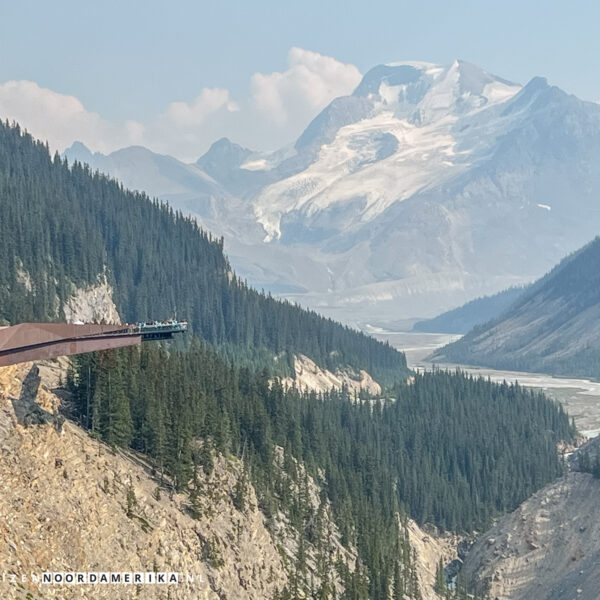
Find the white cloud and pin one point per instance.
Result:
(277, 108)
(55, 117)
(184, 129)
(193, 114)
(309, 84)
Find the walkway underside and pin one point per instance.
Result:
(38, 341)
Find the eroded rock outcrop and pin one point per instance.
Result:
(311, 377)
(92, 304)
(64, 507)
(548, 549)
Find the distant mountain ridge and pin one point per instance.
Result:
(427, 187)
(476, 312)
(554, 327)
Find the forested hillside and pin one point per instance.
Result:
(64, 225)
(553, 327)
(446, 449)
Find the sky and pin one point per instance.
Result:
(177, 75)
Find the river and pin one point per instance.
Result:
(580, 397)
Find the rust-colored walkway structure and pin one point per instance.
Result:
(38, 341)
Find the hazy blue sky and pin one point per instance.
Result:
(129, 61)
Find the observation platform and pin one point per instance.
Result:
(159, 331)
(39, 341)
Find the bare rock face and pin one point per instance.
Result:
(64, 507)
(311, 377)
(548, 549)
(93, 304)
(429, 547)
(26, 408)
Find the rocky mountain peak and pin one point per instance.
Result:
(223, 151)
(390, 74)
(78, 151)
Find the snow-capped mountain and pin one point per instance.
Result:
(426, 187)
(412, 133)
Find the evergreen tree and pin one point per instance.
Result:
(440, 579)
